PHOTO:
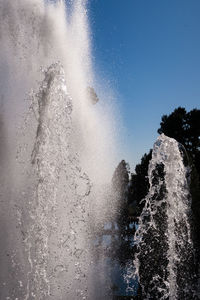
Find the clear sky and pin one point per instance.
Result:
(149, 50)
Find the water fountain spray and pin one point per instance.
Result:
(165, 259)
(55, 151)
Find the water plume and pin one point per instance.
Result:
(55, 152)
(165, 259)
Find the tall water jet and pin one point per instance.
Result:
(165, 259)
(54, 152)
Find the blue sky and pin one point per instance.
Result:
(149, 50)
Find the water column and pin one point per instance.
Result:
(164, 260)
(55, 154)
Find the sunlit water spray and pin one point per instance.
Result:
(55, 152)
(164, 261)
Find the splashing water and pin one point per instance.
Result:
(54, 152)
(164, 261)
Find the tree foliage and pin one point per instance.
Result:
(139, 185)
(185, 128)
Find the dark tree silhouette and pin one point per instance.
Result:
(139, 186)
(175, 125)
(185, 128)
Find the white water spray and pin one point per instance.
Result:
(164, 262)
(55, 152)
